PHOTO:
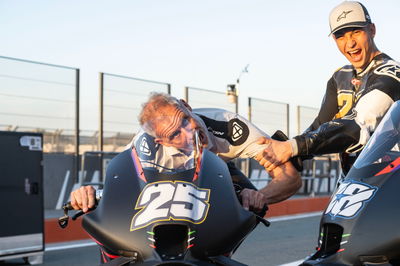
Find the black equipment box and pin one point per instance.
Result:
(21, 195)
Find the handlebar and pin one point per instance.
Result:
(63, 220)
(260, 214)
(262, 219)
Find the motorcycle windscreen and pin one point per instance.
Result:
(383, 147)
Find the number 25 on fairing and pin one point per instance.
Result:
(168, 200)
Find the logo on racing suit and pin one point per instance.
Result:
(171, 201)
(389, 70)
(144, 147)
(215, 132)
(349, 199)
(234, 131)
(238, 131)
(147, 147)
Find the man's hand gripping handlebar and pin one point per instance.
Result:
(63, 220)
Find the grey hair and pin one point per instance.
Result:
(152, 110)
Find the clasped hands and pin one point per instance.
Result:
(275, 153)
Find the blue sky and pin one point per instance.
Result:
(202, 44)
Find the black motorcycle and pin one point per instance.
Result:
(361, 225)
(164, 206)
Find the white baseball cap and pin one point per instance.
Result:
(348, 14)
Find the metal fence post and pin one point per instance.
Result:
(101, 110)
(298, 120)
(186, 94)
(169, 88)
(101, 122)
(77, 129)
(287, 119)
(249, 109)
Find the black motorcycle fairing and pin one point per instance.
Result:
(227, 222)
(121, 185)
(365, 233)
(360, 224)
(224, 227)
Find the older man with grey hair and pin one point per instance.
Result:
(172, 123)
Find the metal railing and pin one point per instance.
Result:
(41, 97)
(305, 116)
(202, 98)
(269, 116)
(120, 103)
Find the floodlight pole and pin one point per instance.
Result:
(232, 90)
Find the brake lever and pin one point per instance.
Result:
(63, 220)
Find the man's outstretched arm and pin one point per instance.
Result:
(285, 182)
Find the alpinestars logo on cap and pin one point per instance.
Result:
(237, 131)
(343, 15)
(144, 147)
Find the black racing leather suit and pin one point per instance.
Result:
(353, 106)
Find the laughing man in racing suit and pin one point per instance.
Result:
(356, 99)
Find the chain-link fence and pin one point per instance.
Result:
(121, 99)
(39, 97)
(269, 116)
(202, 98)
(305, 116)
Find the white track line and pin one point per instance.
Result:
(294, 263)
(69, 245)
(294, 216)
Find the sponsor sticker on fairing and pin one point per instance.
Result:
(171, 201)
(350, 198)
